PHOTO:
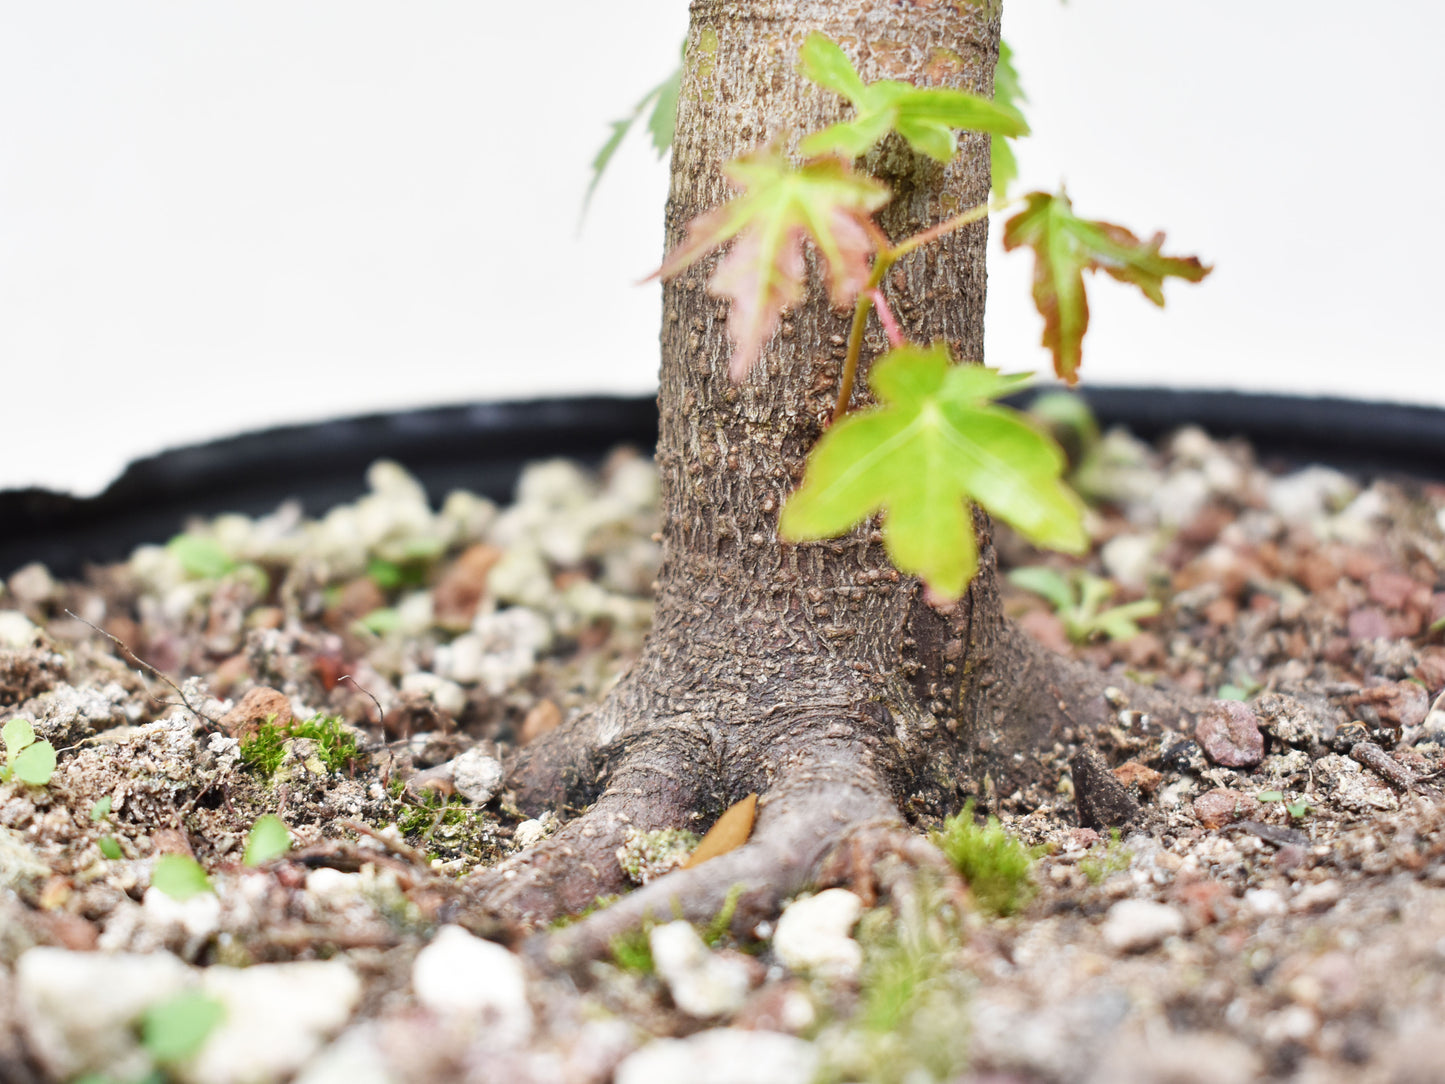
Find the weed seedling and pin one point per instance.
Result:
(995, 865)
(1298, 809)
(1078, 598)
(1106, 859)
(26, 759)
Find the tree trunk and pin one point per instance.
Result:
(814, 675)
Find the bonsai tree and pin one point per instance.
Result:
(862, 682)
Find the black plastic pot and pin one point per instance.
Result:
(483, 447)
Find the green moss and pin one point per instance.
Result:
(1105, 859)
(336, 746)
(912, 1019)
(996, 866)
(632, 951)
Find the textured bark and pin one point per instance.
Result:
(813, 674)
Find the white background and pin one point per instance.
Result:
(220, 217)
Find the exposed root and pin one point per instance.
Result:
(800, 823)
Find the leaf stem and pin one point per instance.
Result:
(871, 295)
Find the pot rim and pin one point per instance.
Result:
(483, 446)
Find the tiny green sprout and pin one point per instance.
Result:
(109, 847)
(26, 759)
(380, 621)
(995, 865)
(101, 810)
(268, 840)
(632, 951)
(1078, 598)
(180, 877)
(1106, 859)
(1298, 809)
(200, 558)
(174, 1029)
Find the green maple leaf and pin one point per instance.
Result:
(1008, 95)
(1065, 246)
(781, 204)
(924, 116)
(661, 123)
(935, 445)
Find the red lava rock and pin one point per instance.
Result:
(1432, 667)
(1083, 837)
(1395, 590)
(1221, 612)
(1228, 732)
(1220, 806)
(459, 592)
(1360, 566)
(545, 716)
(1139, 778)
(171, 841)
(1368, 623)
(1144, 650)
(256, 707)
(1394, 705)
(1202, 902)
(1315, 572)
(355, 600)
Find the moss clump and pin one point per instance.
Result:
(645, 856)
(336, 746)
(912, 1019)
(1106, 859)
(996, 866)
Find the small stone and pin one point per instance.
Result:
(1264, 902)
(702, 983)
(529, 833)
(1128, 559)
(1220, 806)
(459, 592)
(476, 775)
(355, 1058)
(722, 1056)
(543, 718)
(1315, 898)
(277, 1017)
(261, 705)
(1138, 778)
(78, 1009)
(1228, 732)
(1139, 925)
(1393, 705)
(813, 934)
(1290, 721)
(1101, 800)
(462, 975)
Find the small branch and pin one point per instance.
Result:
(141, 662)
(861, 309)
(918, 240)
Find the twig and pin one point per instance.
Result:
(380, 715)
(406, 850)
(185, 702)
(1384, 765)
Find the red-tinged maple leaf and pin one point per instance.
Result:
(823, 201)
(1065, 246)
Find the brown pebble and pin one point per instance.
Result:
(1392, 705)
(261, 704)
(355, 600)
(544, 717)
(460, 590)
(1220, 806)
(1228, 732)
(1101, 800)
(171, 841)
(1139, 778)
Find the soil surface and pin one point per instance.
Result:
(1262, 897)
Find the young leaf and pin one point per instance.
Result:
(925, 117)
(18, 733)
(179, 877)
(35, 764)
(781, 204)
(100, 810)
(1065, 246)
(175, 1028)
(109, 847)
(661, 122)
(934, 445)
(1052, 585)
(1008, 95)
(268, 839)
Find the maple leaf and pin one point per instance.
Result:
(1007, 94)
(1065, 246)
(925, 117)
(823, 201)
(935, 445)
(661, 122)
